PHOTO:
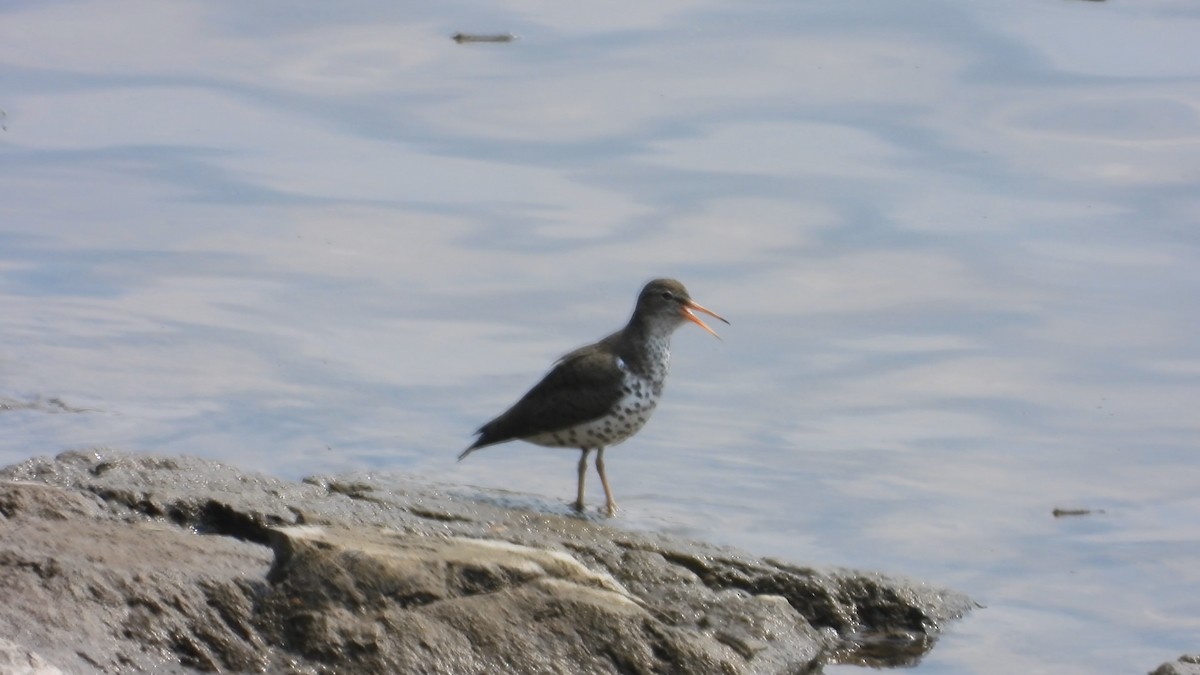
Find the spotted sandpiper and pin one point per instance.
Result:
(601, 394)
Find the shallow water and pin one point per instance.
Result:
(957, 241)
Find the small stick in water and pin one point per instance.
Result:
(483, 37)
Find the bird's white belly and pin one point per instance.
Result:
(627, 417)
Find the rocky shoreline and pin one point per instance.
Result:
(118, 562)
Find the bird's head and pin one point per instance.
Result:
(666, 302)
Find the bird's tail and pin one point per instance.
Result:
(479, 443)
(487, 436)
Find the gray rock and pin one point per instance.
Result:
(16, 660)
(1188, 664)
(89, 591)
(119, 562)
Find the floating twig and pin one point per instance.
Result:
(483, 37)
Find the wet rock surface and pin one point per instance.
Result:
(111, 561)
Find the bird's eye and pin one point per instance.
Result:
(666, 295)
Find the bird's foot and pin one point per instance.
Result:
(578, 505)
(610, 509)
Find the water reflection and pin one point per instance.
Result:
(953, 238)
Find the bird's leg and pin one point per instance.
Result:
(582, 475)
(610, 504)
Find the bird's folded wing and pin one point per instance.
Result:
(582, 386)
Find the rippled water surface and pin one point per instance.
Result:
(958, 242)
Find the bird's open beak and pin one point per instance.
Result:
(691, 316)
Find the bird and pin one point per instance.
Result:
(601, 394)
